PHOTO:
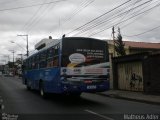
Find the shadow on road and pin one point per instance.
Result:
(68, 100)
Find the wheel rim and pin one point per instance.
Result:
(42, 92)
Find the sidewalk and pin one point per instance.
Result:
(135, 96)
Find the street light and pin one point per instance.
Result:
(27, 43)
(17, 44)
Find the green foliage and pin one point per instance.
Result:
(119, 45)
(10, 64)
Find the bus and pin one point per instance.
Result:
(69, 66)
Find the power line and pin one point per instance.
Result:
(108, 19)
(27, 6)
(126, 25)
(83, 5)
(36, 21)
(107, 27)
(98, 17)
(8, 1)
(126, 19)
(111, 19)
(33, 17)
(81, 8)
(137, 1)
(143, 32)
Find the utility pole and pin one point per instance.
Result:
(13, 61)
(113, 32)
(27, 44)
(13, 58)
(12, 51)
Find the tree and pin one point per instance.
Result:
(119, 45)
(10, 64)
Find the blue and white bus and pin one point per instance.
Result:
(71, 65)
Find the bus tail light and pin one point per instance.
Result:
(88, 81)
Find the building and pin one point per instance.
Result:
(1, 68)
(132, 47)
(137, 72)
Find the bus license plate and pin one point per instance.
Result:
(91, 87)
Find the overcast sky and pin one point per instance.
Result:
(88, 18)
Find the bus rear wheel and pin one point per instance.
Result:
(42, 92)
(75, 95)
(27, 85)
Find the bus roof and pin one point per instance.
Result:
(47, 43)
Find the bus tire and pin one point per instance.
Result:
(41, 89)
(75, 95)
(28, 88)
(27, 85)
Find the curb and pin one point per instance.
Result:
(130, 99)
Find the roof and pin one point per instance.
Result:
(133, 44)
(142, 45)
(44, 43)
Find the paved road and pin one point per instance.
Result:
(26, 105)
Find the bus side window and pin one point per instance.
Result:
(43, 59)
(56, 56)
(29, 64)
(32, 65)
(50, 57)
(37, 61)
(56, 50)
(24, 66)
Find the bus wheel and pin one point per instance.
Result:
(28, 88)
(75, 95)
(42, 92)
(27, 85)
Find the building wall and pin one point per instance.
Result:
(140, 50)
(132, 50)
(152, 74)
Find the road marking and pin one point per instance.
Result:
(102, 116)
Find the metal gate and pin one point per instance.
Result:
(130, 76)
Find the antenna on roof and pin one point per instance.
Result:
(50, 37)
(63, 36)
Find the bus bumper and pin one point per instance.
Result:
(79, 88)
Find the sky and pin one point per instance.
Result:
(138, 20)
